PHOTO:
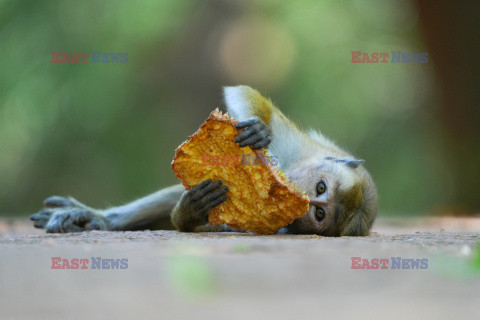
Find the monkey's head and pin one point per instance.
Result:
(343, 197)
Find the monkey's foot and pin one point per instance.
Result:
(62, 215)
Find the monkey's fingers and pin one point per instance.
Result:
(215, 202)
(41, 218)
(245, 134)
(262, 143)
(203, 184)
(61, 222)
(208, 198)
(250, 141)
(75, 220)
(57, 202)
(247, 123)
(203, 188)
(192, 193)
(257, 135)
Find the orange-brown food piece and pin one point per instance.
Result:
(259, 197)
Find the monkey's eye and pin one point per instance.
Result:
(321, 188)
(319, 213)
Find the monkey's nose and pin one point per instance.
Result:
(316, 202)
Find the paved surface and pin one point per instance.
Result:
(174, 275)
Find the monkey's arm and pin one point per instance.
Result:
(186, 210)
(288, 142)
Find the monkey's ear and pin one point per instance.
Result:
(353, 163)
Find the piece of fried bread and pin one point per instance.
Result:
(260, 198)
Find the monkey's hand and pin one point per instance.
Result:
(192, 209)
(256, 134)
(62, 215)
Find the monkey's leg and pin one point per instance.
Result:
(63, 214)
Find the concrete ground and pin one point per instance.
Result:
(173, 275)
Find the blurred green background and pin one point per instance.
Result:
(106, 133)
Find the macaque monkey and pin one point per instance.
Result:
(343, 197)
